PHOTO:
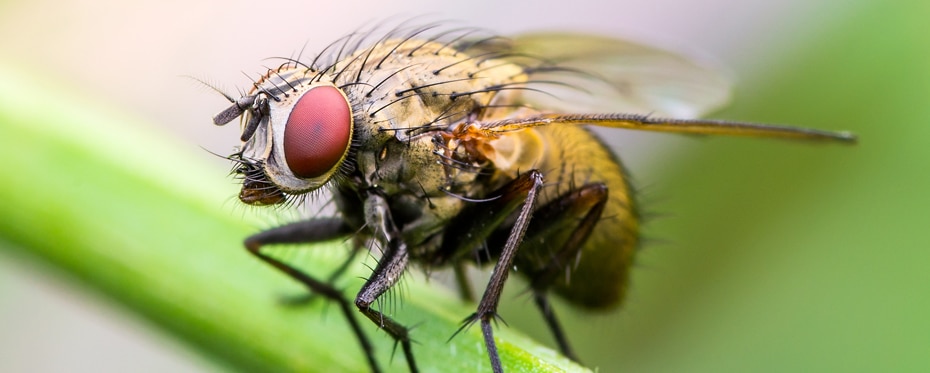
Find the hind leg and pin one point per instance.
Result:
(561, 227)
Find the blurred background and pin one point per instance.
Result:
(765, 255)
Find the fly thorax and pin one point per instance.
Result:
(515, 152)
(409, 88)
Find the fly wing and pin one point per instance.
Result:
(690, 126)
(576, 73)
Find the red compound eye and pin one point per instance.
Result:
(318, 132)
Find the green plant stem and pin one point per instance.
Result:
(132, 214)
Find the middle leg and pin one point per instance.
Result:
(565, 223)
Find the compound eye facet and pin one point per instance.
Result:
(318, 132)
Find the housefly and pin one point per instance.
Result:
(452, 148)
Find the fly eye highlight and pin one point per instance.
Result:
(318, 132)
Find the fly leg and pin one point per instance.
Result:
(302, 299)
(567, 221)
(312, 231)
(523, 190)
(390, 268)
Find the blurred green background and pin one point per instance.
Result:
(789, 257)
(766, 255)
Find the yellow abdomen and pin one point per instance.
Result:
(573, 157)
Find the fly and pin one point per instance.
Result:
(452, 150)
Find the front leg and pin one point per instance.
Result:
(390, 268)
(312, 231)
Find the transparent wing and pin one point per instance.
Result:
(692, 126)
(577, 73)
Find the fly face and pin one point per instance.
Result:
(294, 139)
(450, 150)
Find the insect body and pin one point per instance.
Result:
(443, 150)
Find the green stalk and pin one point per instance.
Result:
(128, 212)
